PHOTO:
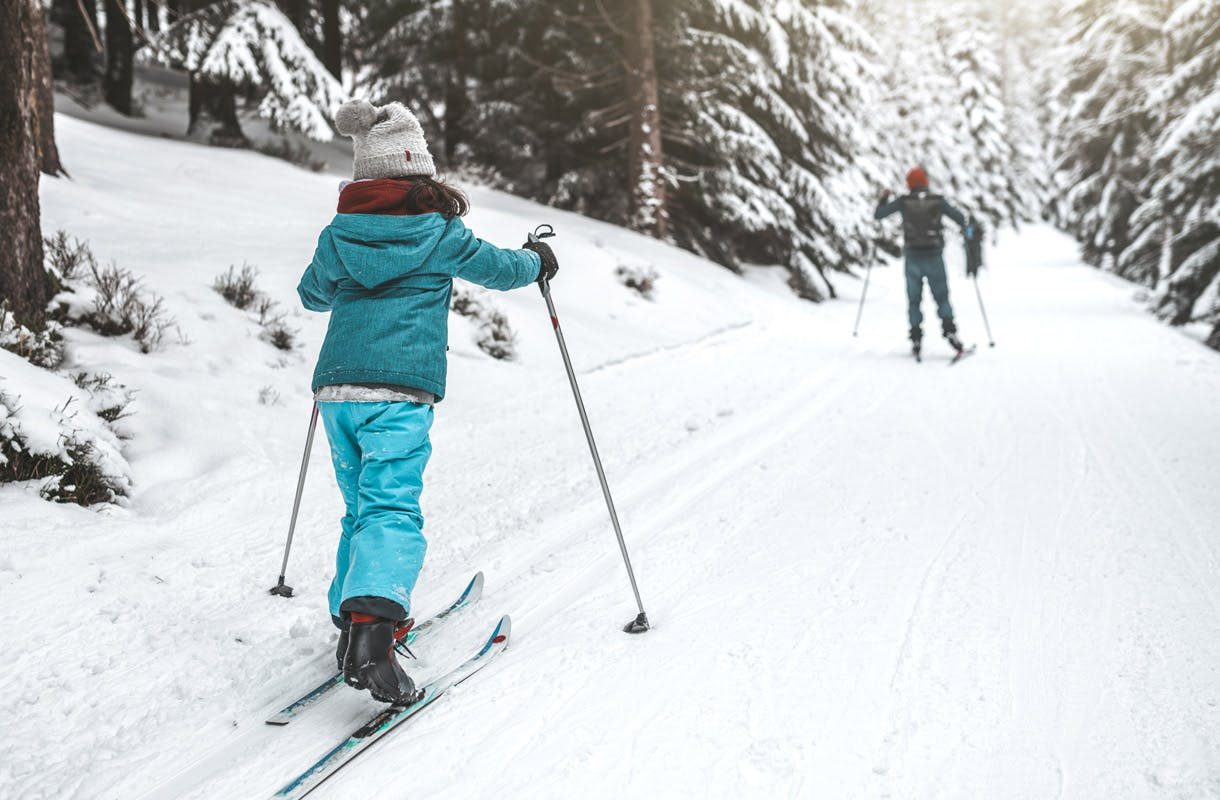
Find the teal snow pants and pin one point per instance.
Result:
(930, 265)
(379, 451)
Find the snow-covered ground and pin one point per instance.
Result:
(868, 578)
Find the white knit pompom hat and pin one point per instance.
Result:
(389, 142)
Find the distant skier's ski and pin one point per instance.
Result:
(474, 591)
(969, 351)
(390, 718)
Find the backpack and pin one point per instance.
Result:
(921, 222)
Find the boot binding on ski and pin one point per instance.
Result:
(370, 662)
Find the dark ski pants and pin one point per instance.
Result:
(929, 265)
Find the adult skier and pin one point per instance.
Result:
(924, 248)
(384, 269)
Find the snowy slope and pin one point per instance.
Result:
(868, 577)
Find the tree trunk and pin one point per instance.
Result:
(119, 53)
(645, 158)
(295, 11)
(137, 16)
(23, 280)
(44, 110)
(455, 92)
(77, 65)
(154, 16)
(333, 54)
(215, 102)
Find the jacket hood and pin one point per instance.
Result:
(377, 248)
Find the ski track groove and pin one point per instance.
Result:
(711, 338)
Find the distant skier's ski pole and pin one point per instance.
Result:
(280, 588)
(868, 272)
(986, 324)
(640, 623)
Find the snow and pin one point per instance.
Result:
(49, 414)
(867, 577)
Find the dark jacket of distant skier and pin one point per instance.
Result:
(384, 269)
(924, 245)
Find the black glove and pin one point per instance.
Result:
(550, 266)
(885, 197)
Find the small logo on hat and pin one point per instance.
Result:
(408, 152)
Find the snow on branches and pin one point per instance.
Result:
(251, 44)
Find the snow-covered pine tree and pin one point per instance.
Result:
(1186, 192)
(831, 79)
(986, 172)
(920, 126)
(721, 77)
(1027, 71)
(1103, 133)
(250, 45)
(767, 110)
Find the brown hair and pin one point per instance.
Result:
(428, 195)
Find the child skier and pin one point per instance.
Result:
(924, 248)
(384, 269)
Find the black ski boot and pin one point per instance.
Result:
(341, 649)
(370, 662)
(916, 342)
(950, 330)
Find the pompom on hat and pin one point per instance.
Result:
(917, 178)
(388, 141)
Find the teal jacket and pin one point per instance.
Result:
(386, 281)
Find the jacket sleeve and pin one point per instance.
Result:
(951, 211)
(885, 209)
(487, 265)
(318, 284)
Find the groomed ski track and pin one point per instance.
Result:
(868, 577)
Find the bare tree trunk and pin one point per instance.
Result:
(23, 280)
(645, 157)
(154, 16)
(79, 21)
(295, 11)
(44, 110)
(455, 91)
(119, 54)
(216, 102)
(333, 53)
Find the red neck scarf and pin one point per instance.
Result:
(381, 196)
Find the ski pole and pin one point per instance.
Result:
(868, 272)
(640, 623)
(280, 588)
(986, 324)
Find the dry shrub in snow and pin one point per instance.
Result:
(237, 288)
(121, 306)
(107, 398)
(641, 280)
(495, 335)
(51, 433)
(111, 300)
(44, 348)
(67, 260)
(277, 333)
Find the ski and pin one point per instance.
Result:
(471, 595)
(389, 718)
(961, 354)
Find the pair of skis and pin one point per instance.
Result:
(391, 717)
(958, 356)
